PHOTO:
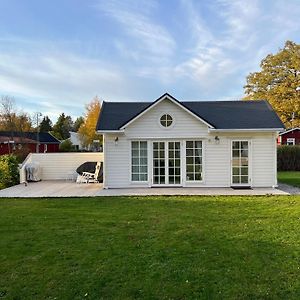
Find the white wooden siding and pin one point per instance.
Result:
(56, 166)
(148, 125)
(264, 161)
(217, 162)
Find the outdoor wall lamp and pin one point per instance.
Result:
(217, 140)
(116, 140)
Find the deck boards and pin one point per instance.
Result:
(54, 188)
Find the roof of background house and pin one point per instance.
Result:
(257, 114)
(29, 137)
(289, 130)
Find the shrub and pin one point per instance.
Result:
(9, 171)
(66, 146)
(288, 158)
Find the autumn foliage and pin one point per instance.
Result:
(279, 83)
(87, 130)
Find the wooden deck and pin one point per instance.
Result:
(64, 188)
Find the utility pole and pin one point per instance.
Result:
(38, 114)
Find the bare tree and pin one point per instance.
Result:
(8, 113)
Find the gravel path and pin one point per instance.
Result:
(289, 189)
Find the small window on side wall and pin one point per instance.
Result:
(290, 141)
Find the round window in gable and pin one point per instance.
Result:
(166, 120)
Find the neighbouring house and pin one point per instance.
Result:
(12, 141)
(289, 137)
(190, 144)
(74, 138)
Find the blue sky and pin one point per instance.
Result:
(55, 56)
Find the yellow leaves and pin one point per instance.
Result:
(87, 130)
(278, 82)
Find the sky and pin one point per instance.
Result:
(55, 56)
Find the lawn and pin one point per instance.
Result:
(289, 177)
(150, 248)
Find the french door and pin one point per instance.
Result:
(240, 163)
(166, 163)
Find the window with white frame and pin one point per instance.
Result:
(193, 160)
(139, 161)
(290, 141)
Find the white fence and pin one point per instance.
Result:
(55, 166)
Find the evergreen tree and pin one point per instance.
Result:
(62, 127)
(46, 124)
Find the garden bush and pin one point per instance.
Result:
(288, 158)
(9, 171)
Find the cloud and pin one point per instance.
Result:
(152, 40)
(58, 80)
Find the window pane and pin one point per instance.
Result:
(236, 153)
(236, 171)
(198, 144)
(143, 177)
(190, 168)
(190, 176)
(244, 179)
(244, 145)
(198, 176)
(143, 145)
(198, 168)
(135, 153)
(189, 144)
(235, 145)
(135, 145)
(235, 179)
(135, 161)
(189, 152)
(244, 171)
(135, 177)
(189, 160)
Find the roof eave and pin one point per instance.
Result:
(245, 129)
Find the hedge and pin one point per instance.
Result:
(9, 171)
(288, 158)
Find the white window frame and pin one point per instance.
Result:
(167, 127)
(202, 163)
(147, 159)
(249, 162)
(291, 141)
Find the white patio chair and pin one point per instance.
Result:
(88, 177)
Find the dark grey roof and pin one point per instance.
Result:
(257, 114)
(44, 137)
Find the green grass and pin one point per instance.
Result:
(150, 248)
(289, 177)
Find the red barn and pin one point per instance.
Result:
(289, 137)
(11, 142)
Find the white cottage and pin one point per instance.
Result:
(189, 144)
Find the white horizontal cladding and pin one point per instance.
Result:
(56, 166)
(264, 163)
(117, 161)
(184, 124)
(217, 162)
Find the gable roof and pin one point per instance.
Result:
(242, 115)
(290, 130)
(26, 137)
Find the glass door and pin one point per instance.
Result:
(174, 169)
(166, 163)
(240, 163)
(159, 163)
